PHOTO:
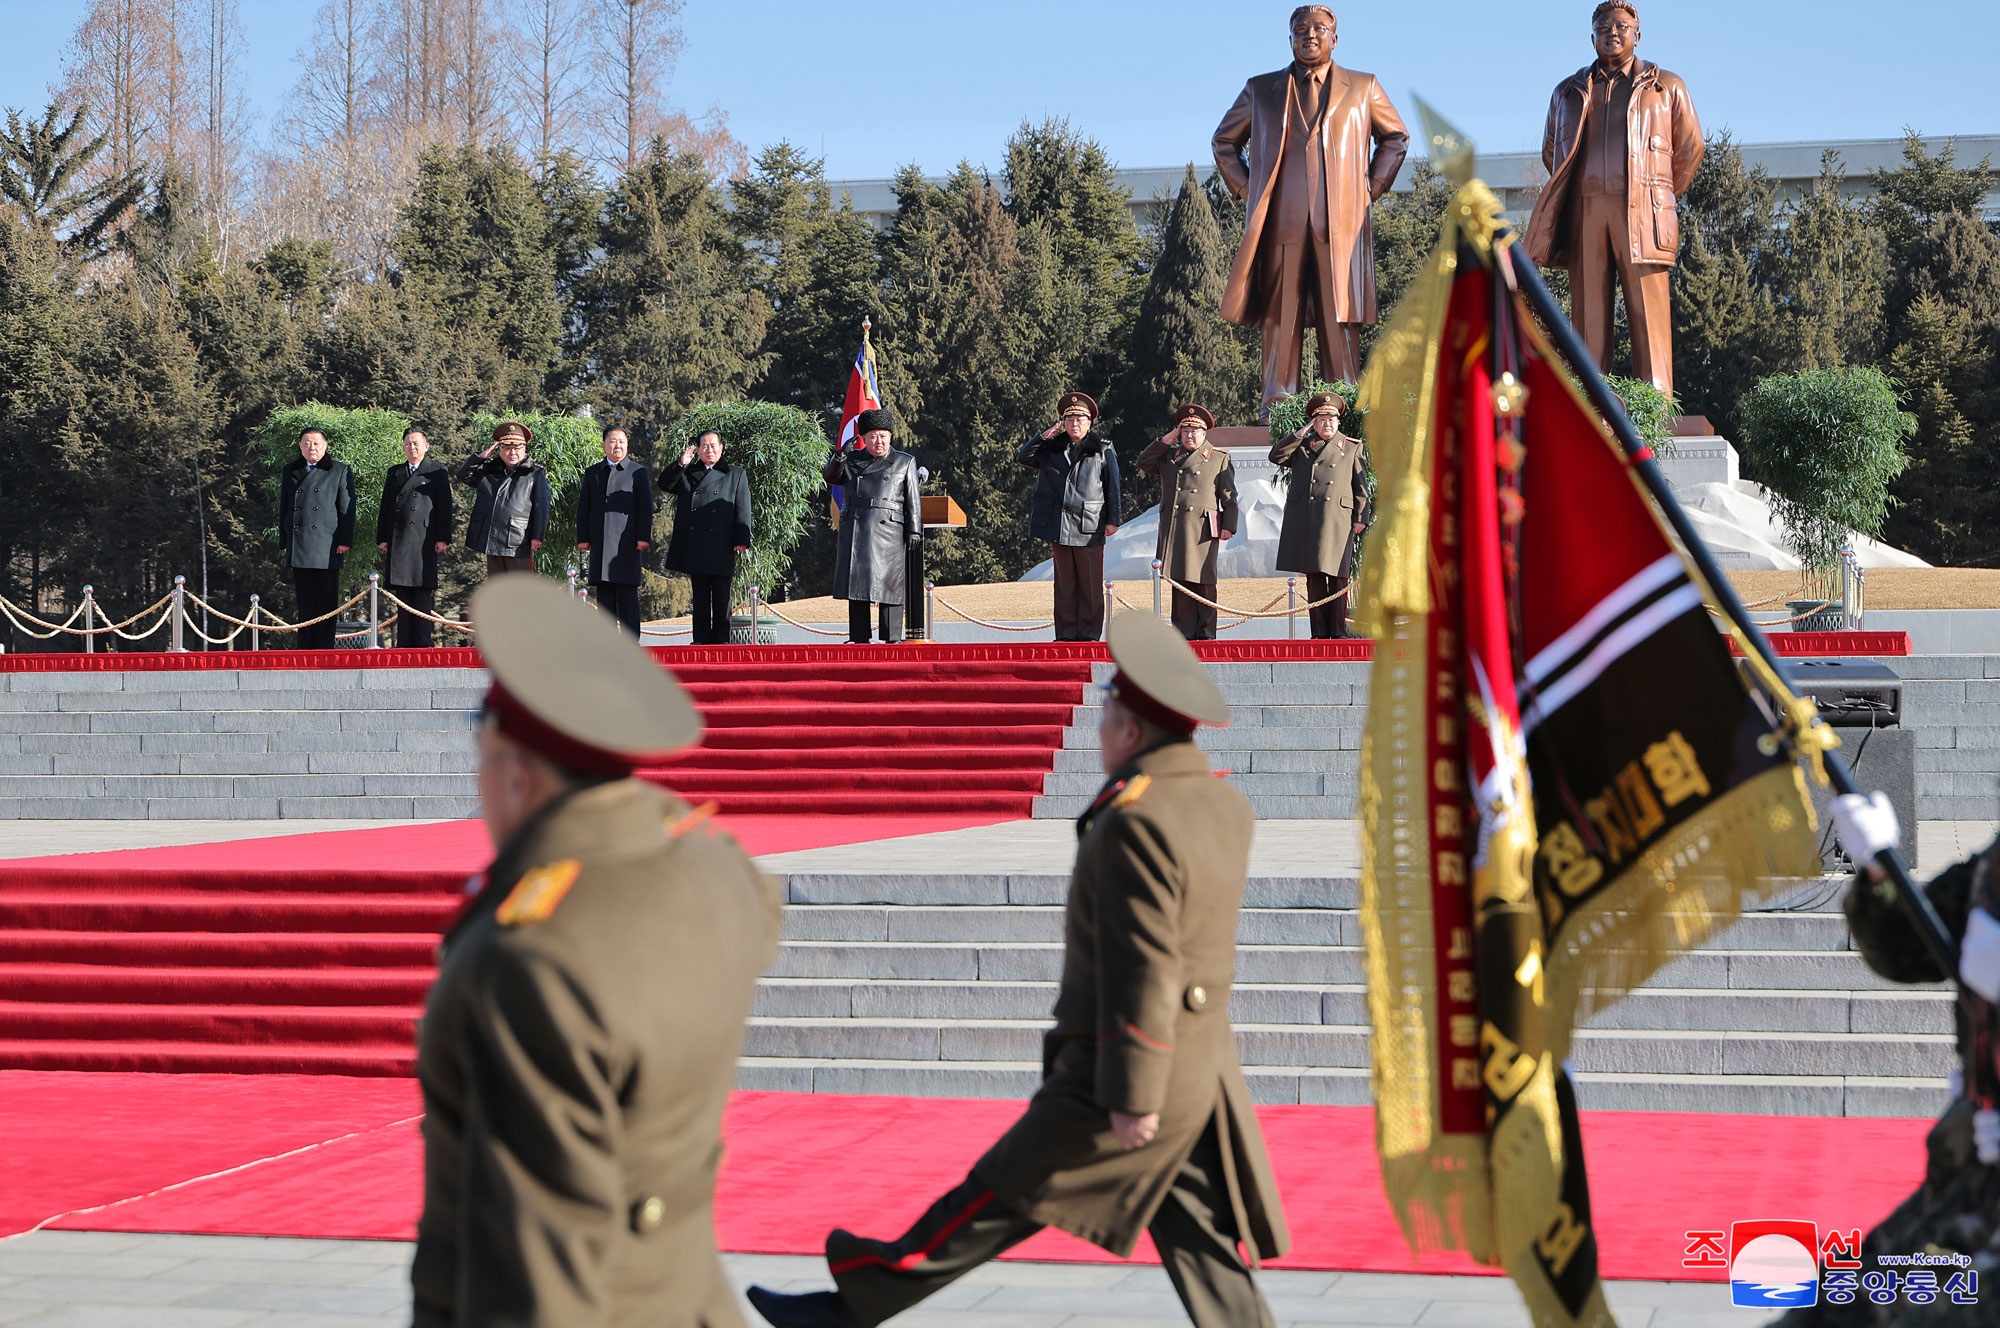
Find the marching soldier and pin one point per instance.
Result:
(1075, 509)
(580, 1041)
(1197, 514)
(1326, 506)
(1957, 1205)
(1143, 1121)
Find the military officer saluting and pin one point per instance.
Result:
(1326, 506)
(1197, 514)
(581, 1038)
(1143, 1121)
(1074, 510)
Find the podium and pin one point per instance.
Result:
(940, 511)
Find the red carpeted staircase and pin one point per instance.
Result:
(863, 728)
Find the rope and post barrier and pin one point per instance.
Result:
(178, 615)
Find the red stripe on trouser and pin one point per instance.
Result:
(909, 1261)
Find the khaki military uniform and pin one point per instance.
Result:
(1141, 1026)
(1327, 498)
(1957, 1205)
(576, 1054)
(1197, 503)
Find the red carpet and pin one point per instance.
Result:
(295, 954)
(798, 1164)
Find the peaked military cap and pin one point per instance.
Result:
(1193, 415)
(1325, 403)
(1159, 678)
(513, 431)
(870, 420)
(1077, 403)
(570, 686)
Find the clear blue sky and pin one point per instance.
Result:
(872, 84)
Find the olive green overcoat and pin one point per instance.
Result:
(1192, 485)
(1142, 1017)
(575, 1068)
(1327, 497)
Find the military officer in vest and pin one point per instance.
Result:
(1326, 506)
(510, 507)
(1075, 510)
(580, 1042)
(1197, 514)
(881, 520)
(1143, 1121)
(614, 526)
(315, 531)
(413, 526)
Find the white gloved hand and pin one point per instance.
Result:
(1986, 1134)
(1979, 953)
(1865, 826)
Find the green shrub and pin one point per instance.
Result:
(370, 441)
(1651, 411)
(1826, 443)
(783, 448)
(565, 446)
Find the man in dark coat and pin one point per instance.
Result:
(315, 531)
(1326, 506)
(1143, 1122)
(510, 510)
(412, 527)
(1075, 509)
(580, 1042)
(711, 526)
(614, 525)
(881, 520)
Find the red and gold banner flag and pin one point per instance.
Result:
(1566, 779)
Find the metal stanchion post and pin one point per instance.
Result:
(1110, 606)
(177, 613)
(1291, 608)
(1156, 587)
(256, 636)
(374, 610)
(572, 580)
(930, 614)
(89, 613)
(755, 599)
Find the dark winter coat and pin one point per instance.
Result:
(614, 511)
(711, 517)
(1076, 488)
(880, 518)
(511, 508)
(415, 517)
(315, 514)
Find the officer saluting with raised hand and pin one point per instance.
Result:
(1326, 506)
(1143, 1121)
(580, 1041)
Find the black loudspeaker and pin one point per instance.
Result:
(1850, 693)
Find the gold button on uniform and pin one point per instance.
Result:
(648, 1213)
(1197, 997)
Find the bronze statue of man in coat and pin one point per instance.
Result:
(1326, 506)
(1143, 1122)
(1311, 181)
(1621, 144)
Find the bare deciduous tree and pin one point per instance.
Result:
(224, 118)
(551, 67)
(110, 68)
(637, 42)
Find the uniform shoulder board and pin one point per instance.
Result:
(1132, 791)
(535, 896)
(682, 824)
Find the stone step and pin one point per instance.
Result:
(1766, 1095)
(1619, 1051)
(1317, 738)
(144, 808)
(208, 699)
(1305, 782)
(993, 889)
(1267, 806)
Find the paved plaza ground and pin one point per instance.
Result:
(87, 1279)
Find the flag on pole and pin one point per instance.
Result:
(863, 393)
(1566, 779)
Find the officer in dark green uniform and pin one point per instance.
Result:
(1956, 1210)
(581, 1039)
(1143, 1121)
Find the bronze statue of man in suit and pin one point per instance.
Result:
(1621, 144)
(1308, 252)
